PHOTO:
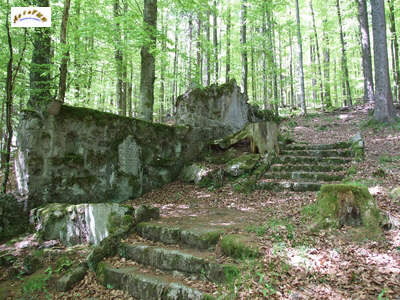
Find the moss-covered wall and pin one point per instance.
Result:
(82, 155)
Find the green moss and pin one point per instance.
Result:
(211, 237)
(237, 246)
(116, 222)
(267, 115)
(333, 198)
(231, 272)
(245, 185)
(100, 272)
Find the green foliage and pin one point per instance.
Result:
(63, 263)
(372, 124)
(37, 283)
(234, 246)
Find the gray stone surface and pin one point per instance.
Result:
(223, 109)
(241, 165)
(82, 156)
(145, 213)
(76, 224)
(67, 281)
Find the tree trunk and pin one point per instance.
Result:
(344, 57)
(208, 58)
(313, 78)
(215, 40)
(189, 72)
(243, 42)
(40, 81)
(77, 61)
(228, 43)
(321, 86)
(384, 110)
(118, 59)
(326, 52)
(365, 51)
(147, 70)
(162, 67)
(64, 61)
(300, 70)
(175, 82)
(264, 57)
(253, 74)
(396, 70)
(199, 68)
(291, 69)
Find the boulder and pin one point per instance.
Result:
(223, 109)
(203, 176)
(241, 165)
(68, 280)
(145, 213)
(263, 137)
(349, 205)
(77, 224)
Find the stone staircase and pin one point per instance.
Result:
(303, 167)
(168, 256)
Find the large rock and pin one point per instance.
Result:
(113, 159)
(349, 205)
(223, 109)
(241, 165)
(203, 176)
(14, 219)
(77, 224)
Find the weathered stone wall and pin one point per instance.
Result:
(223, 109)
(82, 155)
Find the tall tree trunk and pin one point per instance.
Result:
(77, 62)
(335, 85)
(62, 86)
(215, 40)
(313, 78)
(162, 67)
(349, 100)
(175, 70)
(300, 67)
(320, 79)
(326, 52)
(118, 59)
(243, 42)
(264, 57)
(129, 91)
(228, 43)
(384, 110)
(199, 68)
(271, 50)
(189, 72)
(365, 51)
(147, 70)
(291, 69)
(208, 56)
(40, 82)
(253, 74)
(280, 69)
(396, 67)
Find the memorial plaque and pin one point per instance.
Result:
(129, 156)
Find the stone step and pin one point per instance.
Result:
(198, 238)
(339, 145)
(284, 159)
(288, 185)
(199, 264)
(306, 168)
(318, 153)
(310, 176)
(148, 286)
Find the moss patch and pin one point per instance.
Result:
(350, 205)
(238, 246)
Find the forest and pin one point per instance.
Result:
(200, 149)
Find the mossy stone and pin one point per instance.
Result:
(238, 246)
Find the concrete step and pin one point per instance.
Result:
(198, 238)
(318, 153)
(339, 145)
(285, 159)
(186, 261)
(306, 168)
(277, 186)
(309, 176)
(148, 286)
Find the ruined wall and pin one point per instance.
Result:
(223, 109)
(82, 155)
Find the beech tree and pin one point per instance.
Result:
(384, 110)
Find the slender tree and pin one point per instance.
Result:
(326, 53)
(395, 50)
(119, 60)
(302, 100)
(347, 89)
(384, 110)
(147, 70)
(228, 43)
(40, 79)
(365, 51)
(215, 40)
(317, 51)
(64, 61)
(208, 56)
(243, 42)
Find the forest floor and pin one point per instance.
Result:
(295, 262)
